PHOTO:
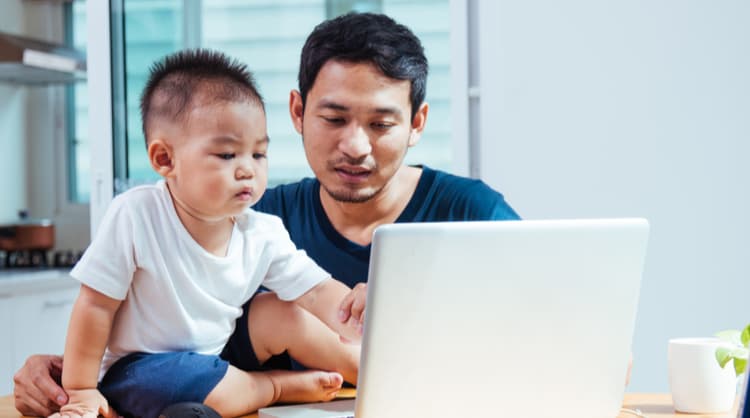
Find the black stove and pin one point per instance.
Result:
(38, 258)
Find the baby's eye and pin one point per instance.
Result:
(225, 156)
(259, 155)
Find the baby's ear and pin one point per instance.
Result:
(160, 155)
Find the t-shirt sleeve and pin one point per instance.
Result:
(292, 272)
(108, 264)
(501, 210)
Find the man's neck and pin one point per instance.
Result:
(357, 221)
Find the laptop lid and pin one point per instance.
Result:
(744, 406)
(511, 318)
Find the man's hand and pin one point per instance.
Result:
(338, 306)
(85, 403)
(352, 308)
(37, 390)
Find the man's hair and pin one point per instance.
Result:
(366, 37)
(178, 80)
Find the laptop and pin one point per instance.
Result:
(744, 406)
(526, 319)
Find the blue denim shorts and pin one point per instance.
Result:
(143, 384)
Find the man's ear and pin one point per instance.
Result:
(160, 154)
(296, 110)
(417, 124)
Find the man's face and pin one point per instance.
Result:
(356, 128)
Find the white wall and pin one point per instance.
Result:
(595, 108)
(12, 113)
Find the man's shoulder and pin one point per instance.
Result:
(462, 198)
(278, 200)
(461, 186)
(445, 176)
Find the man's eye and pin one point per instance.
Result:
(381, 125)
(225, 156)
(334, 121)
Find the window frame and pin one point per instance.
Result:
(98, 65)
(99, 58)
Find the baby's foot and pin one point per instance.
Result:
(305, 386)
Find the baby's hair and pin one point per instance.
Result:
(177, 80)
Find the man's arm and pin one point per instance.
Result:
(37, 390)
(339, 307)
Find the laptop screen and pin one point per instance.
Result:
(497, 313)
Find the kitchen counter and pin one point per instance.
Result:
(25, 280)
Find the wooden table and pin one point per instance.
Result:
(658, 405)
(653, 405)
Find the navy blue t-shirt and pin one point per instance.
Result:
(439, 196)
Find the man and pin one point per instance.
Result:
(359, 108)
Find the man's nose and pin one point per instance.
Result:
(356, 142)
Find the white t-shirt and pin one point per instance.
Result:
(176, 295)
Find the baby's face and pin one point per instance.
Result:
(220, 159)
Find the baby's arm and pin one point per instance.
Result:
(339, 307)
(90, 325)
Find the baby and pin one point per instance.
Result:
(164, 280)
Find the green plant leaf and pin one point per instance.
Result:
(745, 337)
(738, 351)
(723, 355)
(739, 365)
(731, 336)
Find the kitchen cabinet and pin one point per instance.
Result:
(6, 350)
(29, 61)
(35, 310)
(41, 323)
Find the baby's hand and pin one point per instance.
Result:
(85, 403)
(352, 311)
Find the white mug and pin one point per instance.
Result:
(697, 383)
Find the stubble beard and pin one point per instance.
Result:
(346, 194)
(350, 196)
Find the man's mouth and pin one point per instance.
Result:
(350, 173)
